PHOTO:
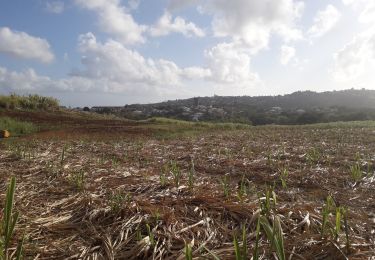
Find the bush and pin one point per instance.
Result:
(30, 102)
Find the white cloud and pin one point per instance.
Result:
(324, 21)
(110, 67)
(56, 7)
(19, 80)
(230, 64)
(368, 14)
(126, 71)
(253, 21)
(114, 62)
(165, 25)
(25, 46)
(356, 58)
(365, 8)
(193, 73)
(227, 64)
(287, 54)
(29, 81)
(115, 20)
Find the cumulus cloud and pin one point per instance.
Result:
(113, 61)
(56, 7)
(166, 25)
(287, 54)
(368, 14)
(356, 58)
(25, 46)
(324, 21)
(226, 63)
(25, 80)
(230, 64)
(253, 22)
(29, 81)
(365, 8)
(110, 67)
(115, 20)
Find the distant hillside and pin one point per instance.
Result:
(296, 108)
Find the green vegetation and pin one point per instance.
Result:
(16, 127)
(225, 184)
(30, 102)
(8, 223)
(302, 107)
(284, 173)
(191, 174)
(243, 189)
(275, 235)
(241, 251)
(340, 214)
(77, 179)
(268, 202)
(257, 238)
(188, 252)
(328, 208)
(118, 199)
(63, 154)
(356, 172)
(150, 235)
(313, 156)
(163, 178)
(337, 229)
(176, 172)
(197, 125)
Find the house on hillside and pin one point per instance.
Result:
(300, 111)
(101, 109)
(275, 110)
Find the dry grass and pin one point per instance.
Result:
(119, 209)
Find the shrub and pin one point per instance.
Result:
(30, 102)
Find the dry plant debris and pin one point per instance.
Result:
(139, 197)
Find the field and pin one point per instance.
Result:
(95, 188)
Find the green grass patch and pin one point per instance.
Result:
(166, 128)
(197, 125)
(16, 127)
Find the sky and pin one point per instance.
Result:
(117, 52)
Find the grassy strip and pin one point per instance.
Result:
(16, 127)
(234, 126)
(209, 125)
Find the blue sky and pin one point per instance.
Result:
(116, 52)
